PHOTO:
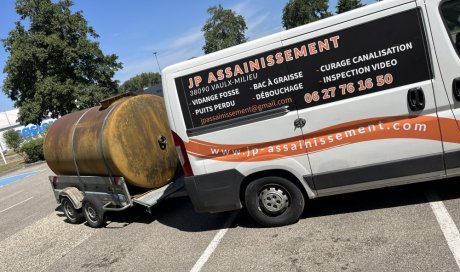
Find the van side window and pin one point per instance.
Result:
(450, 11)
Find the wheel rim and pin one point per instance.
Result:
(273, 199)
(69, 209)
(91, 213)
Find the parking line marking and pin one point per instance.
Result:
(214, 243)
(16, 204)
(7, 180)
(11, 195)
(447, 224)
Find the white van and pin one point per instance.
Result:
(365, 99)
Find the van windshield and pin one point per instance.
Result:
(451, 13)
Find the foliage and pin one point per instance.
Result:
(223, 29)
(10, 165)
(55, 65)
(33, 149)
(300, 12)
(13, 140)
(346, 5)
(139, 82)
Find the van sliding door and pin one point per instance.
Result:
(368, 103)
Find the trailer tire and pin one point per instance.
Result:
(94, 214)
(274, 201)
(74, 216)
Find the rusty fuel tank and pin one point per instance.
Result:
(125, 136)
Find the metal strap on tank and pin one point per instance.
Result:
(101, 144)
(73, 143)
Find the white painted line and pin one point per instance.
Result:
(448, 227)
(16, 204)
(11, 195)
(214, 243)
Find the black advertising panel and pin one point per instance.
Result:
(367, 58)
(226, 92)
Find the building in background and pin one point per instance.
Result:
(8, 120)
(155, 89)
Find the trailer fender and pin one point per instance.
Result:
(75, 196)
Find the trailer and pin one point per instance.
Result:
(90, 197)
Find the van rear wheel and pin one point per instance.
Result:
(274, 201)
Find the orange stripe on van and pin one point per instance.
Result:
(395, 127)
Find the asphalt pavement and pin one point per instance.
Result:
(394, 229)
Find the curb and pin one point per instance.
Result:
(21, 167)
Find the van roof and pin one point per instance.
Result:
(286, 34)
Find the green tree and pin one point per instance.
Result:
(300, 12)
(346, 5)
(55, 65)
(13, 140)
(32, 150)
(140, 81)
(223, 29)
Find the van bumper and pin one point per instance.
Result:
(215, 192)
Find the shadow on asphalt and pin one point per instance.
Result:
(176, 213)
(179, 213)
(382, 198)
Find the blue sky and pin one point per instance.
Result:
(133, 30)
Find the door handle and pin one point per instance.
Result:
(456, 88)
(416, 99)
(299, 123)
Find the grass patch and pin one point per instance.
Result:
(11, 165)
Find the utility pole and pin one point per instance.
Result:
(1, 148)
(7, 119)
(159, 69)
(1, 152)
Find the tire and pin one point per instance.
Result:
(274, 201)
(73, 215)
(94, 214)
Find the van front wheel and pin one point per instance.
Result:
(274, 201)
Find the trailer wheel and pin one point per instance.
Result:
(73, 215)
(94, 214)
(274, 201)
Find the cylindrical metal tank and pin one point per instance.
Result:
(125, 136)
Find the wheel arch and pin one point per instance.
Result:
(307, 191)
(74, 195)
